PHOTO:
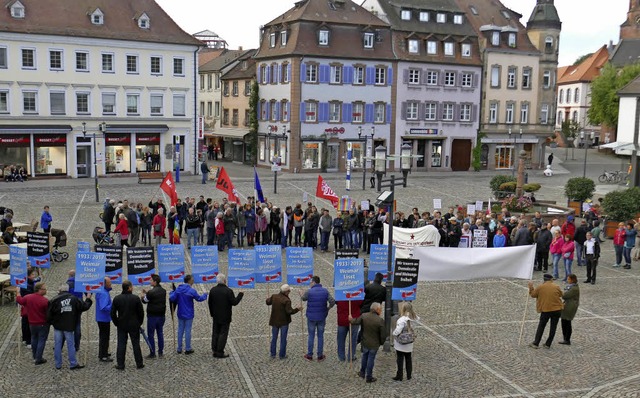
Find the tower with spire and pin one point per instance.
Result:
(630, 29)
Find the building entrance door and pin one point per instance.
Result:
(83, 161)
(333, 156)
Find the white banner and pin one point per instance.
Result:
(454, 264)
(407, 239)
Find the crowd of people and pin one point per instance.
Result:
(15, 173)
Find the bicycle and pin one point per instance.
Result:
(607, 176)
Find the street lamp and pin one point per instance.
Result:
(586, 147)
(512, 164)
(381, 164)
(366, 152)
(103, 129)
(405, 162)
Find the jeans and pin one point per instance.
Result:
(544, 318)
(567, 268)
(242, 232)
(211, 236)
(104, 332)
(283, 237)
(219, 337)
(204, 177)
(324, 240)
(155, 325)
(184, 328)
(283, 330)
(192, 233)
(556, 260)
(146, 235)
(59, 337)
(626, 251)
(312, 326)
(123, 335)
(39, 335)
(618, 250)
(346, 240)
(368, 360)
(579, 259)
(228, 237)
(343, 333)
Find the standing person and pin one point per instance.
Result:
(454, 232)
(122, 231)
(103, 319)
(549, 304)
(568, 227)
(543, 245)
(579, 237)
(109, 214)
(158, 205)
(133, 222)
(36, 306)
(71, 282)
(205, 171)
(403, 351)
(210, 217)
(374, 292)
(550, 158)
(149, 161)
(63, 314)
(591, 253)
(338, 225)
(618, 243)
(281, 311)
(192, 225)
(221, 303)
(556, 252)
(242, 226)
(571, 297)
(298, 223)
(158, 225)
(156, 301)
(499, 240)
(146, 220)
(568, 247)
(32, 279)
(320, 302)
(229, 227)
(127, 315)
(629, 243)
(184, 297)
(250, 228)
(45, 220)
(343, 328)
(373, 336)
(325, 230)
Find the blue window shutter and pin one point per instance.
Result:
(370, 75)
(277, 111)
(347, 74)
(267, 107)
(347, 113)
(276, 78)
(303, 72)
(389, 76)
(324, 74)
(323, 114)
(388, 117)
(259, 109)
(368, 113)
(267, 72)
(259, 74)
(288, 111)
(303, 113)
(289, 71)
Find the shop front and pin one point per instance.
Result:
(14, 152)
(147, 152)
(51, 154)
(431, 149)
(272, 147)
(118, 153)
(312, 155)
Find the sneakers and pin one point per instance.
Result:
(150, 356)
(372, 380)
(77, 367)
(321, 358)
(308, 357)
(616, 265)
(564, 342)
(534, 345)
(106, 359)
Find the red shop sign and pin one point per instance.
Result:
(334, 130)
(14, 140)
(50, 140)
(118, 139)
(145, 139)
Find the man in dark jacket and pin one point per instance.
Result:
(320, 302)
(156, 301)
(454, 232)
(374, 293)
(221, 303)
(109, 214)
(63, 314)
(591, 253)
(373, 336)
(127, 315)
(543, 243)
(77, 335)
(280, 319)
(158, 205)
(579, 238)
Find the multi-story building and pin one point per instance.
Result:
(574, 91)
(125, 66)
(236, 114)
(325, 73)
(519, 80)
(437, 81)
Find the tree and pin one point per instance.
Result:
(253, 121)
(604, 99)
(570, 130)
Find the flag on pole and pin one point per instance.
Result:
(176, 234)
(169, 187)
(325, 192)
(257, 188)
(224, 184)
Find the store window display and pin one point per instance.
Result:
(312, 155)
(14, 151)
(147, 148)
(51, 154)
(118, 153)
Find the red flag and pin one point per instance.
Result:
(325, 192)
(224, 184)
(169, 187)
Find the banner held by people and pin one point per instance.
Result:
(242, 268)
(323, 191)
(90, 271)
(38, 249)
(348, 279)
(140, 265)
(113, 268)
(405, 279)
(18, 265)
(268, 264)
(405, 240)
(171, 262)
(299, 265)
(204, 263)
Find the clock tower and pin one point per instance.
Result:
(630, 29)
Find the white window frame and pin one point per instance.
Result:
(160, 72)
(369, 38)
(138, 105)
(524, 113)
(283, 110)
(35, 96)
(4, 104)
(283, 38)
(137, 64)
(495, 76)
(424, 16)
(449, 79)
(449, 49)
(568, 97)
(272, 40)
(216, 109)
(431, 111)
(441, 18)
(432, 47)
(509, 112)
(412, 111)
(5, 53)
(493, 112)
(526, 77)
(335, 112)
(144, 22)
(357, 112)
(358, 75)
(209, 109)
(285, 73)
(546, 79)
(159, 111)
(448, 111)
(64, 102)
(61, 52)
(97, 18)
(512, 40)
(111, 94)
(33, 55)
(466, 80)
(413, 76)
(405, 15)
(432, 78)
(413, 46)
(323, 37)
(335, 74)
(465, 112)
(380, 76)
(458, 19)
(312, 73)
(465, 49)
(87, 67)
(495, 38)
(86, 94)
(102, 59)
(544, 114)
(17, 11)
(512, 72)
(311, 112)
(379, 110)
(182, 66)
(576, 95)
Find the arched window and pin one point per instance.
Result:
(548, 44)
(576, 96)
(561, 96)
(575, 116)
(559, 117)
(568, 96)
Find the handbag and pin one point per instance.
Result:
(406, 336)
(157, 228)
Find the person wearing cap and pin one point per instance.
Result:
(568, 227)
(549, 304)
(454, 232)
(280, 319)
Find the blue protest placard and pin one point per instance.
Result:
(18, 266)
(204, 263)
(171, 262)
(242, 268)
(84, 246)
(268, 263)
(299, 265)
(38, 249)
(405, 279)
(113, 270)
(348, 279)
(90, 268)
(140, 265)
(378, 261)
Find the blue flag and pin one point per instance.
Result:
(257, 187)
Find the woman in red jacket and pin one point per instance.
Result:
(159, 224)
(556, 252)
(122, 231)
(618, 243)
(567, 253)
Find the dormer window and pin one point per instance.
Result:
(432, 47)
(143, 21)
(457, 19)
(97, 17)
(495, 38)
(413, 46)
(17, 10)
(466, 49)
(323, 38)
(512, 40)
(405, 15)
(368, 40)
(424, 16)
(448, 49)
(272, 40)
(441, 18)
(283, 38)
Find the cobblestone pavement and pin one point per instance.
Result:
(468, 346)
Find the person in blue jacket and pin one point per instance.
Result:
(103, 318)
(183, 298)
(499, 240)
(45, 220)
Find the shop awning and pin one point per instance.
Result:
(228, 133)
(35, 128)
(618, 145)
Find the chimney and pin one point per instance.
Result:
(239, 48)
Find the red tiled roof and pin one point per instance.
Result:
(587, 70)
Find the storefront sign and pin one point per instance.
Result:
(147, 139)
(50, 140)
(200, 127)
(508, 141)
(334, 130)
(272, 128)
(14, 140)
(424, 131)
(118, 139)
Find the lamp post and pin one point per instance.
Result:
(381, 164)
(103, 129)
(276, 160)
(366, 152)
(512, 164)
(405, 162)
(586, 145)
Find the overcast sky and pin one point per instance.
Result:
(586, 24)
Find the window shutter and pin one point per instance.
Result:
(347, 74)
(403, 113)
(267, 107)
(421, 110)
(474, 112)
(458, 79)
(370, 75)
(277, 111)
(324, 74)
(288, 112)
(423, 76)
(259, 110)
(389, 76)
(474, 80)
(347, 115)
(405, 76)
(259, 74)
(388, 116)
(368, 113)
(323, 112)
(439, 110)
(289, 71)
(267, 72)
(303, 112)
(456, 112)
(303, 72)
(277, 77)
(440, 78)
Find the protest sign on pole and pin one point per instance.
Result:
(268, 264)
(90, 269)
(346, 253)
(204, 263)
(479, 238)
(140, 265)
(171, 262)
(378, 261)
(242, 268)
(479, 205)
(471, 210)
(405, 279)
(299, 265)
(38, 249)
(84, 246)
(113, 269)
(437, 204)
(18, 266)
(348, 279)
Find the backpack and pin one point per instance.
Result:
(407, 336)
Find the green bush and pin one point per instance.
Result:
(499, 180)
(532, 187)
(509, 186)
(622, 205)
(579, 189)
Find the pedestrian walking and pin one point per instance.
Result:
(156, 301)
(127, 315)
(281, 311)
(549, 304)
(205, 171)
(46, 220)
(550, 158)
(373, 336)
(183, 297)
(571, 297)
(320, 302)
(103, 319)
(221, 303)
